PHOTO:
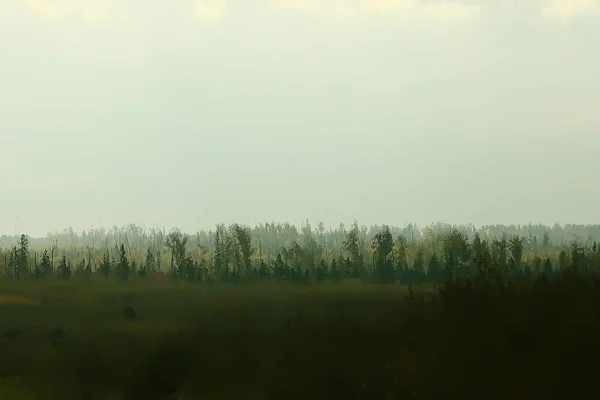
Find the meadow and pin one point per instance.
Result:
(143, 339)
(226, 341)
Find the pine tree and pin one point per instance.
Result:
(150, 264)
(280, 268)
(177, 242)
(45, 267)
(516, 251)
(351, 244)
(562, 261)
(322, 271)
(264, 269)
(81, 269)
(22, 256)
(219, 262)
(383, 244)
(334, 273)
(418, 269)
(244, 238)
(133, 268)
(88, 269)
(105, 267)
(349, 270)
(122, 268)
(12, 268)
(63, 270)
(548, 272)
(435, 272)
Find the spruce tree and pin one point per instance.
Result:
(383, 244)
(63, 270)
(45, 267)
(150, 264)
(435, 272)
(13, 270)
(105, 267)
(122, 268)
(334, 273)
(244, 238)
(81, 269)
(219, 262)
(322, 271)
(22, 256)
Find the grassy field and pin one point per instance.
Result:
(75, 340)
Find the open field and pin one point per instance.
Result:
(280, 341)
(247, 339)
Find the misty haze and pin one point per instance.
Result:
(299, 199)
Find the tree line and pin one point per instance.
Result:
(238, 254)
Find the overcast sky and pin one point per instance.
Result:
(189, 113)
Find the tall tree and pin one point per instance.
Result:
(123, 267)
(13, 263)
(435, 272)
(456, 254)
(105, 267)
(81, 270)
(244, 239)
(149, 266)
(44, 269)
(401, 258)
(64, 269)
(280, 268)
(516, 251)
(22, 257)
(418, 270)
(334, 272)
(219, 259)
(351, 244)
(177, 242)
(383, 244)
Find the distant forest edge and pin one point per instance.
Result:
(284, 252)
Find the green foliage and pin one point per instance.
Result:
(64, 269)
(516, 251)
(83, 269)
(322, 271)
(281, 271)
(418, 271)
(150, 266)
(177, 242)
(382, 246)
(334, 272)
(123, 269)
(264, 271)
(12, 268)
(44, 268)
(219, 271)
(244, 238)
(106, 266)
(435, 272)
(352, 245)
(22, 257)
(18, 262)
(316, 258)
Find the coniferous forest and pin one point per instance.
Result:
(284, 312)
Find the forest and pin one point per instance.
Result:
(281, 312)
(285, 253)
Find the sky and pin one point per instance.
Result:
(189, 113)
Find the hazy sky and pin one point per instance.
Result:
(188, 113)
